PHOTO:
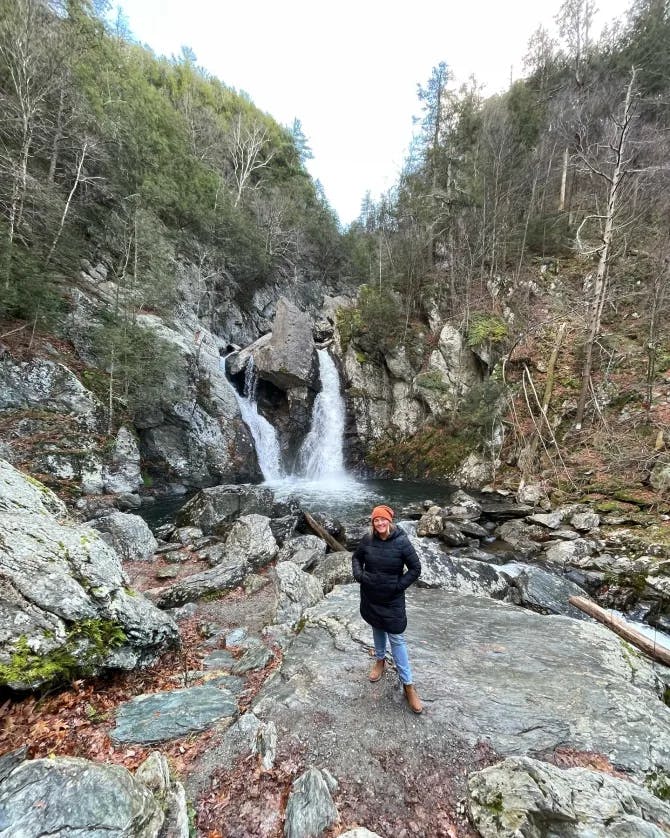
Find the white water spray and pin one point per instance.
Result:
(263, 433)
(321, 452)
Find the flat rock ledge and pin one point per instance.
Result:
(522, 796)
(160, 717)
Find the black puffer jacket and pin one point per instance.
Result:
(378, 565)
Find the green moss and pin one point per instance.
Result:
(658, 783)
(433, 452)
(486, 328)
(85, 646)
(36, 483)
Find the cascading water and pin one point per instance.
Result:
(262, 432)
(321, 480)
(321, 452)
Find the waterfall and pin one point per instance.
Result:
(321, 452)
(262, 432)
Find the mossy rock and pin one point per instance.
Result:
(85, 647)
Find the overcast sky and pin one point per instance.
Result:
(348, 70)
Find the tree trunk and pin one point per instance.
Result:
(649, 647)
(600, 285)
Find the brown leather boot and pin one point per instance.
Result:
(377, 670)
(413, 698)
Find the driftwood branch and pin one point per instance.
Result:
(649, 647)
(333, 543)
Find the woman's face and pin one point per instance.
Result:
(382, 526)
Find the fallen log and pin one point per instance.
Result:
(333, 543)
(648, 646)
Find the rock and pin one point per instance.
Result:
(296, 591)
(47, 386)
(251, 539)
(284, 527)
(440, 569)
(194, 441)
(660, 476)
(226, 575)
(359, 832)
(585, 521)
(65, 606)
(303, 550)
(71, 796)
(534, 494)
(431, 522)
(187, 535)
(333, 569)
(542, 590)
(123, 473)
(475, 471)
(473, 529)
(252, 660)
(310, 809)
(288, 358)
(551, 520)
(452, 535)
(160, 717)
(128, 534)
(532, 683)
(523, 796)
(212, 509)
(154, 774)
(567, 552)
(129, 500)
(452, 370)
(521, 536)
(23, 494)
(461, 500)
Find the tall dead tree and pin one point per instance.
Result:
(612, 170)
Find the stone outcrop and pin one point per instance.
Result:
(523, 796)
(527, 683)
(65, 605)
(195, 441)
(72, 796)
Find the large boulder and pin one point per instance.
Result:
(251, 539)
(72, 796)
(65, 604)
(214, 509)
(122, 473)
(128, 534)
(35, 397)
(288, 359)
(522, 796)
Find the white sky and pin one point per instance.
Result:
(348, 70)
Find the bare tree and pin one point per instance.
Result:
(612, 170)
(27, 50)
(248, 151)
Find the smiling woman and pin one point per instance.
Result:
(385, 564)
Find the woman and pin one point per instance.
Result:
(378, 563)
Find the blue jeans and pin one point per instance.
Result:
(398, 650)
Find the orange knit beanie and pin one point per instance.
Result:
(382, 512)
